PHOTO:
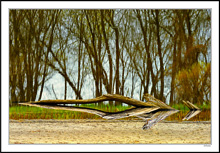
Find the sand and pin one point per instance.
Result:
(107, 132)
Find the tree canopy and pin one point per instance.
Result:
(166, 52)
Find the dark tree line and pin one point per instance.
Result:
(165, 53)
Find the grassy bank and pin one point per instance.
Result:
(182, 107)
(26, 112)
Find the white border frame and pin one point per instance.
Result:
(126, 5)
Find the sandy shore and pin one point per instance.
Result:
(107, 132)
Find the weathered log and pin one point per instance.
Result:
(131, 112)
(191, 114)
(129, 100)
(190, 105)
(194, 110)
(152, 100)
(107, 97)
(156, 117)
(74, 101)
(155, 113)
(152, 111)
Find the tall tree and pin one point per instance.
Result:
(49, 47)
(28, 29)
(160, 55)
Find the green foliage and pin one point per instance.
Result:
(194, 83)
(180, 107)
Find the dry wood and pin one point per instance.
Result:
(152, 100)
(154, 114)
(74, 101)
(106, 97)
(156, 117)
(191, 114)
(152, 111)
(131, 112)
(129, 100)
(190, 105)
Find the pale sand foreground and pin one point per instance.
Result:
(107, 132)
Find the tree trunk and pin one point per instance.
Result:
(160, 56)
(48, 50)
(117, 60)
(173, 74)
(109, 90)
(117, 57)
(79, 58)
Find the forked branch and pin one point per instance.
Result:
(107, 97)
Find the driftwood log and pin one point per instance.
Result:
(107, 97)
(156, 117)
(190, 105)
(152, 111)
(152, 100)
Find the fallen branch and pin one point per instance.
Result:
(130, 112)
(190, 105)
(152, 100)
(152, 111)
(107, 97)
(156, 117)
(191, 114)
(194, 110)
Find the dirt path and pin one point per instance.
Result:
(107, 132)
